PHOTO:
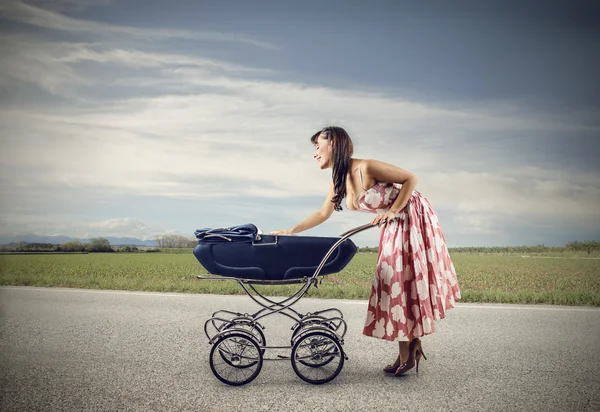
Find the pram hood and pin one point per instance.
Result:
(241, 252)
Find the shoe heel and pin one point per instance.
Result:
(418, 355)
(419, 351)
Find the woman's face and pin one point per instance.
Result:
(323, 152)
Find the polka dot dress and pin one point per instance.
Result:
(415, 280)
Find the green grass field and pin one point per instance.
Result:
(566, 280)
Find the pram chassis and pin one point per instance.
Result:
(239, 345)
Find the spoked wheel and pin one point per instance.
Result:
(248, 326)
(236, 359)
(317, 357)
(310, 324)
(318, 361)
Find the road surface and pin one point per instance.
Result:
(88, 350)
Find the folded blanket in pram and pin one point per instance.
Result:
(242, 252)
(240, 233)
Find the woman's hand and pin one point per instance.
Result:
(384, 218)
(287, 232)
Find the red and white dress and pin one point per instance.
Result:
(415, 280)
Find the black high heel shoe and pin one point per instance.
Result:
(393, 367)
(415, 353)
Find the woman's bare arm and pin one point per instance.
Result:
(376, 171)
(313, 220)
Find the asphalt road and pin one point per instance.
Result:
(84, 350)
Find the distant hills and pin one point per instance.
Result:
(59, 239)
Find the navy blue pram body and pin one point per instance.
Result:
(242, 253)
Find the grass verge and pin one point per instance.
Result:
(568, 280)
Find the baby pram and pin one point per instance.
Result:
(238, 343)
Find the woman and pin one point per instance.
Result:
(415, 281)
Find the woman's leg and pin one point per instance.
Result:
(405, 357)
(414, 353)
(404, 352)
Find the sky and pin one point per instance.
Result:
(143, 117)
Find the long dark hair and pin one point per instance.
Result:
(342, 153)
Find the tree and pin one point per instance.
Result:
(99, 244)
(174, 241)
(589, 246)
(72, 246)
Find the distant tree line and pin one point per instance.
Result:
(588, 247)
(174, 241)
(368, 250)
(506, 249)
(97, 244)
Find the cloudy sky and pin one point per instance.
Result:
(145, 117)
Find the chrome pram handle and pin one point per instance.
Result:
(356, 230)
(343, 238)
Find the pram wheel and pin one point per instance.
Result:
(304, 327)
(310, 322)
(236, 358)
(317, 357)
(248, 326)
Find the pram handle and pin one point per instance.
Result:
(343, 237)
(356, 230)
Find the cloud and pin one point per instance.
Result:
(22, 12)
(207, 145)
(516, 192)
(18, 224)
(67, 5)
(81, 52)
(34, 61)
(56, 66)
(176, 145)
(140, 121)
(124, 226)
